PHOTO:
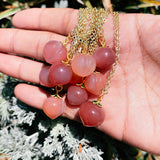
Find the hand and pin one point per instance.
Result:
(132, 106)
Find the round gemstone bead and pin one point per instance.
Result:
(94, 83)
(60, 74)
(104, 57)
(83, 65)
(91, 115)
(76, 95)
(54, 51)
(53, 107)
(44, 79)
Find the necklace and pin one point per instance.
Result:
(79, 61)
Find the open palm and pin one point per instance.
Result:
(132, 105)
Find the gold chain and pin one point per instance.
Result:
(88, 33)
(117, 47)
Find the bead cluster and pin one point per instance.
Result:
(78, 65)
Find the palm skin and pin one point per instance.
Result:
(132, 106)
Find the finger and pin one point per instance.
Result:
(21, 68)
(59, 20)
(35, 97)
(26, 43)
(31, 95)
(56, 19)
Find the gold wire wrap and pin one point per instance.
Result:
(88, 35)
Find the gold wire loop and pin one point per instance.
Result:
(82, 83)
(58, 89)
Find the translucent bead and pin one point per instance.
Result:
(75, 79)
(104, 57)
(53, 107)
(54, 51)
(91, 115)
(60, 74)
(94, 83)
(83, 65)
(44, 79)
(76, 95)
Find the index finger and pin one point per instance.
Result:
(58, 20)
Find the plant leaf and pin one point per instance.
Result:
(157, 2)
(9, 12)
